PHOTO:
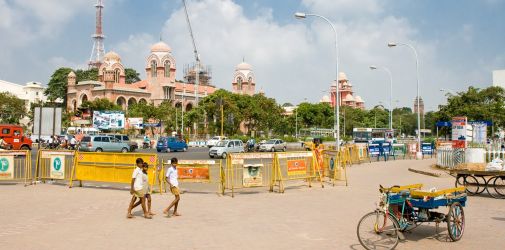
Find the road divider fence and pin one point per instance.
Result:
(16, 166)
(194, 171)
(54, 165)
(247, 170)
(113, 168)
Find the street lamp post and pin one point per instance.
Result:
(336, 124)
(390, 94)
(182, 109)
(391, 44)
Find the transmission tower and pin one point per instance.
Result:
(98, 50)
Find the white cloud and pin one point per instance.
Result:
(344, 8)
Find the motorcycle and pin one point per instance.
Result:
(146, 145)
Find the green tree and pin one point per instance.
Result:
(86, 75)
(12, 108)
(131, 75)
(101, 104)
(57, 85)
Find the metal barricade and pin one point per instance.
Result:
(247, 170)
(399, 151)
(112, 167)
(16, 166)
(54, 164)
(291, 166)
(333, 168)
(194, 171)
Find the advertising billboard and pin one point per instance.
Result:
(135, 122)
(108, 119)
(459, 132)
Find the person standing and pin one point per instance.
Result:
(137, 189)
(171, 178)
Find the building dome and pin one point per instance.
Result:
(112, 56)
(342, 76)
(243, 66)
(326, 99)
(349, 98)
(358, 99)
(160, 47)
(71, 74)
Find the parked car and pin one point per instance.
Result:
(214, 140)
(225, 147)
(102, 143)
(132, 146)
(258, 145)
(14, 137)
(273, 145)
(167, 144)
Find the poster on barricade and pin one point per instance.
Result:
(57, 167)
(296, 167)
(193, 173)
(253, 175)
(6, 167)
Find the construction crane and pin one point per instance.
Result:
(195, 51)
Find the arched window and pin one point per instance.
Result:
(116, 75)
(167, 68)
(239, 83)
(250, 80)
(103, 74)
(153, 68)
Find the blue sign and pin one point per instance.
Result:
(448, 124)
(427, 148)
(152, 124)
(374, 149)
(443, 124)
(386, 147)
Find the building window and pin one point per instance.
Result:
(116, 75)
(37, 93)
(239, 83)
(167, 69)
(153, 68)
(166, 93)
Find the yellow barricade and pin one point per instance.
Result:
(294, 166)
(334, 167)
(16, 166)
(363, 153)
(247, 170)
(112, 167)
(195, 171)
(54, 164)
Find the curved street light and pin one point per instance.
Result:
(392, 44)
(301, 15)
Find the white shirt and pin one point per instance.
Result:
(73, 141)
(138, 175)
(172, 176)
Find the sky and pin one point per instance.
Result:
(459, 42)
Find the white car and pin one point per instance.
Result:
(214, 140)
(273, 145)
(225, 147)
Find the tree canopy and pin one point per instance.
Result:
(12, 108)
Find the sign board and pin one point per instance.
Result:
(374, 149)
(459, 132)
(46, 121)
(108, 119)
(57, 167)
(427, 148)
(479, 132)
(135, 122)
(297, 167)
(252, 175)
(387, 148)
(199, 173)
(6, 167)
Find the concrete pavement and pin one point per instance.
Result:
(55, 217)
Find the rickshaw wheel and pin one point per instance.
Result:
(472, 185)
(460, 181)
(481, 181)
(499, 186)
(456, 221)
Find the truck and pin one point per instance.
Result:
(14, 137)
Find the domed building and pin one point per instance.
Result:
(160, 84)
(243, 79)
(346, 93)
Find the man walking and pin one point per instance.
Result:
(171, 178)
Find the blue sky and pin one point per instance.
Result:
(459, 42)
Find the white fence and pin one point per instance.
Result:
(450, 157)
